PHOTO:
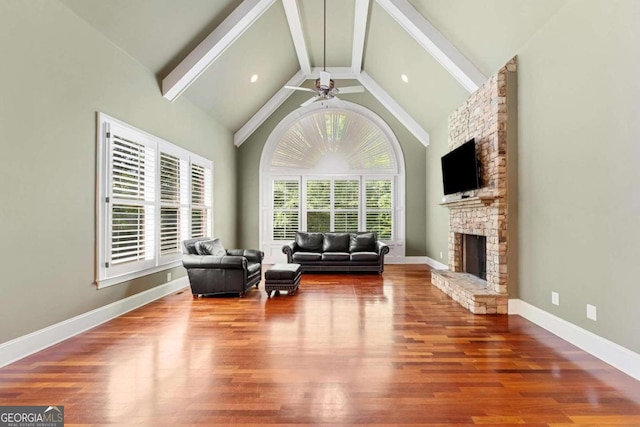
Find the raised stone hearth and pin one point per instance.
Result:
(489, 116)
(470, 292)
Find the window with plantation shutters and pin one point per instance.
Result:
(379, 207)
(131, 200)
(151, 196)
(318, 204)
(332, 204)
(200, 200)
(174, 203)
(346, 204)
(286, 209)
(345, 169)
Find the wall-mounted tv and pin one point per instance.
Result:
(460, 170)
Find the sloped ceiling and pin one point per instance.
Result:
(161, 33)
(431, 92)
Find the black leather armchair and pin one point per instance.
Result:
(234, 272)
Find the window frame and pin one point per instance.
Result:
(303, 210)
(107, 274)
(207, 204)
(182, 205)
(391, 210)
(331, 210)
(273, 209)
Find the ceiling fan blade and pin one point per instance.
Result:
(308, 101)
(325, 79)
(352, 89)
(305, 89)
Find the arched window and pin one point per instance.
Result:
(331, 169)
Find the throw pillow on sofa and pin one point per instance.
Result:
(309, 242)
(210, 247)
(336, 242)
(365, 242)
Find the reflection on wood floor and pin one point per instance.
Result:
(346, 349)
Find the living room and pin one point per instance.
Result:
(577, 119)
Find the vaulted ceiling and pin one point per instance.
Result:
(207, 51)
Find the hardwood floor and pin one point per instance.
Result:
(346, 349)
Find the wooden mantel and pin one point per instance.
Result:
(483, 197)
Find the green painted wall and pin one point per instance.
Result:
(414, 155)
(578, 169)
(578, 152)
(57, 73)
(437, 217)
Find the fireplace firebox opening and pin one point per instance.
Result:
(474, 255)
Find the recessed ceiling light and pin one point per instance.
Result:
(404, 78)
(254, 78)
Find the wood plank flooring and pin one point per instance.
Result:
(345, 350)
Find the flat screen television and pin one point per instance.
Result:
(460, 170)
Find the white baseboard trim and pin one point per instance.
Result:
(405, 260)
(18, 348)
(513, 305)
(614, 354)
(436, 264)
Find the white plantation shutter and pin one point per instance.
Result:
(174, 203)
(286, 209)
(346, 203)
(332, 204)
(170, 179)
(379, 201)
(131, 234)
(348, 134)
(132, 169)
(132, 162)
(318, 203)
(200, 200)
(169, 230)
(145, 201)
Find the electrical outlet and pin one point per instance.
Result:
(440, 254)
(555, 298)
(168, 276)
(592, 312)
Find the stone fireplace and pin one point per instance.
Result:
(482, 223)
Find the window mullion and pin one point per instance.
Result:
(332, 195)
(158, 211)
(363, 204)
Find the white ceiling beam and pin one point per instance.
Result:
(434, 42)
(267, 110)
(210, 49)
(394, 108)
(359, 34)
(340, 73)
(295, 26)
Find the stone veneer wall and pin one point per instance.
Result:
(483, 117)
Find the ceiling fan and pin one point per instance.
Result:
(324, 87)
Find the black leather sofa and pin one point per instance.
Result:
(223, 271)
(337, 252)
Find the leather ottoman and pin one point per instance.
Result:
(282, 277)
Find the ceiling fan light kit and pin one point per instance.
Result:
(324, 87)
